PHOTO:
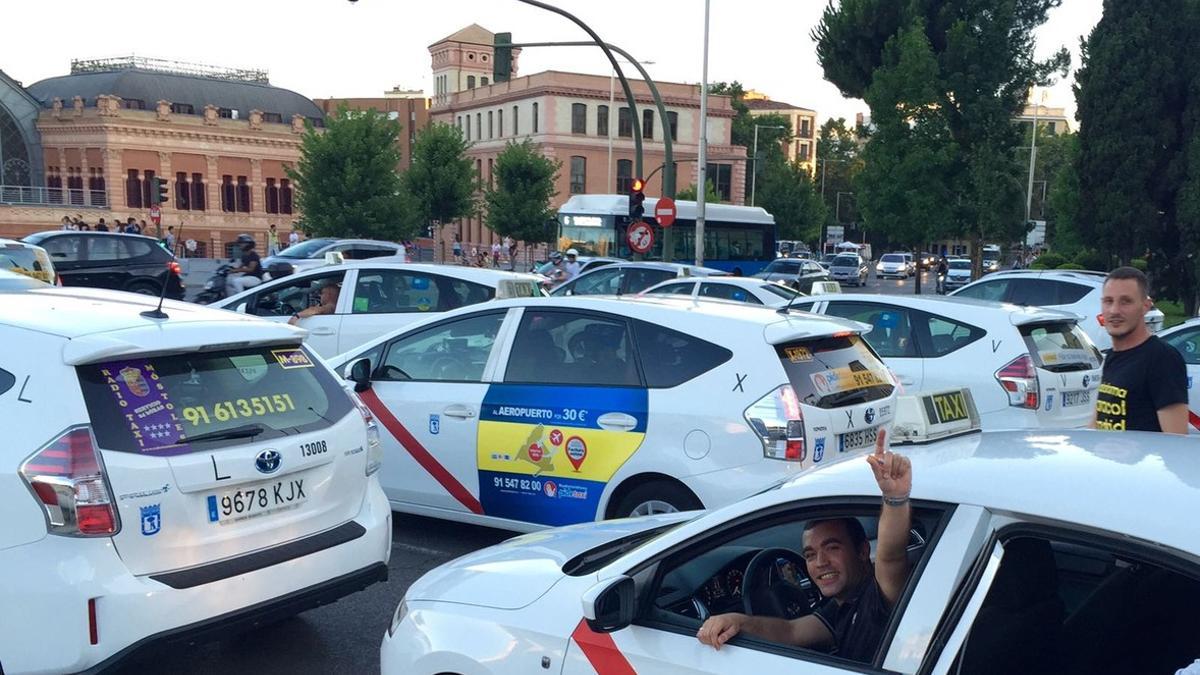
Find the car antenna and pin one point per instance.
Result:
(783, 311)
(157, 312)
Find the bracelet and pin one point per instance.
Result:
(895, 501)
(296, 315)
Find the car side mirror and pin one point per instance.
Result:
(609, 606)
(360, 374)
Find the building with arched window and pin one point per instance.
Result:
(20, 149)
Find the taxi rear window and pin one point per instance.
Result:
(182, 403)
(1060, 347)
(26, 260)
(835, 371)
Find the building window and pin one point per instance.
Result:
(579, 118)
(272, 194)
(227, 194)
(148, 186)
(75, 185)
(578, 175)
(500, 122)
(535, 117)
(199, 197)
(673, 122)
(624, 175)
(133, 104)
(285, 195)
(483, 82)
(54, 183)
(243, 195)
(133, 190)
(491, 128)
(458, 122)
(274, 118)
(468, 121)
(183, 109)
(97, 187)
(647, 123)
(602, 120)
(479, 126)
(624, 123)
(470, 82)
(490, 182)
(803, 154)
(721, 176)
(228, 113)
(516, 121)
(183, 195)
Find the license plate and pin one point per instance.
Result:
(253, 501)
(855, 440)
(1070, 398)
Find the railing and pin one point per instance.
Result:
(44, 196)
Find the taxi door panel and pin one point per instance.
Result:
(1193, 378)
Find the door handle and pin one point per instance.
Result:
(617, 421)
(907, 381)
(461, 412)
(321, 330)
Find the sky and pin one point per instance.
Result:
(337, 48)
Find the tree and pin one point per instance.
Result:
(786, 191)
(1058, 165)
(441, 179)
(346, 179)
(774, 130)
(1187, 259)
(838, 163)
(518, 205)
(710, 194)
(955, 73)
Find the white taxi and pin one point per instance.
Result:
(1185, 338)
(522, 414)
(1011, 568)
(1027, 367)
(375, 297)
(166, 476)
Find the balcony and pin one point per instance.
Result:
(25, 195)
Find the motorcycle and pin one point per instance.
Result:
(214, 288)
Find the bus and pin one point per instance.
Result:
(737, 239)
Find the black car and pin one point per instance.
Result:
(124, 262)
(799, 274)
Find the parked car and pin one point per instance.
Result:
(848, 268)
(1185, 338)
(1011, 568)
(375, 297)
(166, 479)
(1072, 291)
(958, 273)
(826, 260)
(311, 252)
(629, 278)
(587, 263)
(527, 413)
(30, 260)
(1026, 367)
(892, 265)
(124, 262)
(797, 273)
(749, 290)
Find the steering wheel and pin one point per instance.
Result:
(447, 368)
(776, 583)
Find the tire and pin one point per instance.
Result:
(145, 288)
(658, 496)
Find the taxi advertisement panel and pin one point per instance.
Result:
(545, 454)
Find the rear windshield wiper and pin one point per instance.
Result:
(244, 431)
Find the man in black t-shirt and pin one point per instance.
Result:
(249, 273)
(858, 596)
(1144, 383)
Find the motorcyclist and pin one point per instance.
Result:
(559, 273)
(942, 268)
(249, 273)
(573, 267)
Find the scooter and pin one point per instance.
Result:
(214, 288)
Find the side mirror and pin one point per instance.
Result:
(609, 605)
(360, 374)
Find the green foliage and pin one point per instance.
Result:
(442, 179)
(1049, 261)
(1092, 259)
(347, 184)
(518, 205)
(1139, 263)
(1070, 266)
(710, 194)
(774, 130)
(1057, 163)
(838, 163)
(786, 191)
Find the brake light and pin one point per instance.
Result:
(374, 449)
(175, 268)
(1019, 380)
(67, 477)
(779, 423)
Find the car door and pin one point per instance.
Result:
(386, 299)
(811, 272)
(605, 281)
(893, 337)
(427, 390)
(68, 252)
(569, 409)
(1187, 342)
(279, 300)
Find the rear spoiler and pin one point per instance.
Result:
(152, 340)
(783, 331)
(1024, 318)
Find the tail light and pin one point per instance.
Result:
(1019, 380)
(67, 477)
(374, 449)
(175, 268)
(779, 423)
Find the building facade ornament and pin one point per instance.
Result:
(297, 123)
(211, 115)
(77, 102)
(256, 120)
(163, 108)
(57, 106)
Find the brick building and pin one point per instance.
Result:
(409, 108)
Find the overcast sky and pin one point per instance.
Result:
(335, 48)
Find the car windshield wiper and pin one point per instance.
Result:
(244, 431)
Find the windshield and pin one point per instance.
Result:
(845, 261)
(785, 292)
(835, 371)
(960, 264)
(892, 258)
(305, 249)
(777, 266)
(589, 561)
(27, 260)
(1060, 346)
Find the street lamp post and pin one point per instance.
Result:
(754, 172)
(1033, 156)
(702, 169)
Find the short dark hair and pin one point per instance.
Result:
(1131, 273)
(853, 526)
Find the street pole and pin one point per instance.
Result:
(1032, 159)
(754, 172)
(609, 124)
(702, 169)
(824, 169)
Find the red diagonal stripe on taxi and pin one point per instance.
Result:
(419, 453)
(1194, 419)
(601, 651)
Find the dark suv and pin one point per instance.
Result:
(125, 262)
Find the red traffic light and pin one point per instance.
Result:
(638, 185)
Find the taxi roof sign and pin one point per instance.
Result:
(933, 416)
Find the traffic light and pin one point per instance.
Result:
(636, 197)
(502, 57)
(158, 192)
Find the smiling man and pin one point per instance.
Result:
(858, 596)
(1143, 386)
